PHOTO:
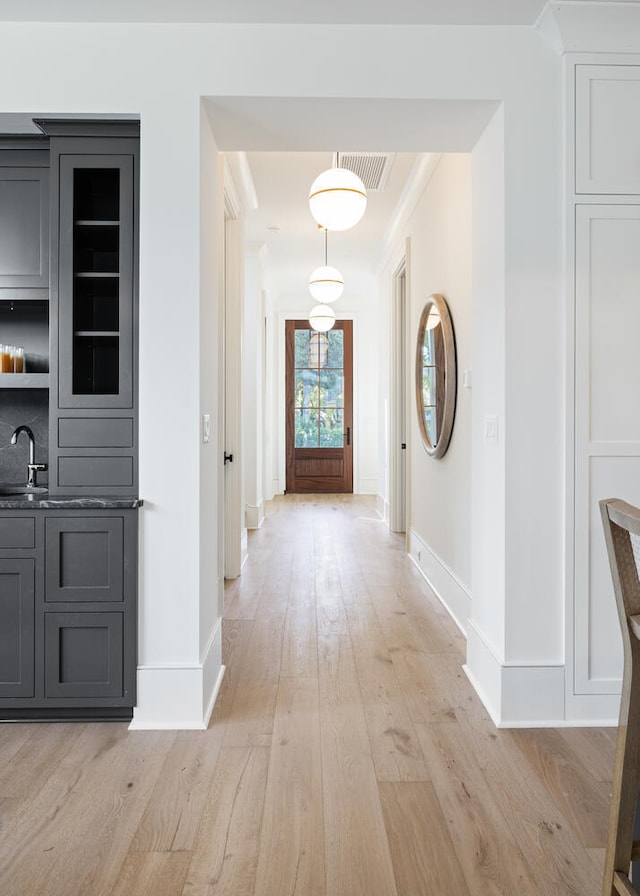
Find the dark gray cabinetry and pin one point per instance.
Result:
(24, 219)
(68, 613)
(93, 413)
(17, 596)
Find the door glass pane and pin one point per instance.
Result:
(335, 354)
(331, 428)
(302, 348)
(306, 389)
(306, 423)
(331, 389)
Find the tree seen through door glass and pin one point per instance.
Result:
(319, 389)
(429, 373)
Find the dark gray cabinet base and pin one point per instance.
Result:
(68, 608)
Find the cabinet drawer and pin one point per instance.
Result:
(96, 472)
(87, 432)
(84, 559)
(18, 532)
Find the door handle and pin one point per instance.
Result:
(348, 435)
(228, 458)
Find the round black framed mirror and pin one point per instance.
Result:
(436, 375)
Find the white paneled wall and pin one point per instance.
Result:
(605, 318)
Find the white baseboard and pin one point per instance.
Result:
(515, 696)
(244, 547)
(442, 580)
(179, 696)
(254, 515)
(367, 486)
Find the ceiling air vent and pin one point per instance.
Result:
(371, 167)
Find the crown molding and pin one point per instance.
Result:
(420, 175)
(592, 26)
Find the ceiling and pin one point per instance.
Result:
(283, 223)
(290, 140)
(383, 12)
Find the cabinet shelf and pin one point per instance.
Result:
(89, 222)
(24, 380)
(93, 333)
(83, 275)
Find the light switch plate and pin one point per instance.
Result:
(491, 428)
(206, 427)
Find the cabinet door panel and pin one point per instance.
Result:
(608, 129)
(84, 559)
(607, 428)
(24, 228)
(96, 281)
(17, 584)
(83, 655)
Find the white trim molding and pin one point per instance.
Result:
(515, 695)
(254, 516)
(448, 588)
(175, 696)
(529, 695)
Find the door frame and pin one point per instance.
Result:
(400, 393)
(235, 533)
(281, 401)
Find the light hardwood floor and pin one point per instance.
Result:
(347, 755)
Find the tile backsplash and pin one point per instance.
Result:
(31, 408)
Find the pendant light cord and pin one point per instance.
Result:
(325, 246)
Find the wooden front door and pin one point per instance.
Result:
(319, 407)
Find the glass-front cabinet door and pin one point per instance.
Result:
(95, 325)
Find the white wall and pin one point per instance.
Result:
(161, 72)
(439, 261)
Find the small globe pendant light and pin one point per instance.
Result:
(434, 318)
(326, 283)
(322, 318)
(337, 198)
(318, 349)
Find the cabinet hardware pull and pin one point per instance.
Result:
(228, 458)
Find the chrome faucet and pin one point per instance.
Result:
(32, 466)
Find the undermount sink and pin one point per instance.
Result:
(7, 490)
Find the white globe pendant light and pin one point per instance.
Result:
(322, 318)
(337, 199)
(326, 283)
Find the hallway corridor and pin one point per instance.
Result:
(347, 754)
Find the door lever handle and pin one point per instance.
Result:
(348, 435)
(228, 458)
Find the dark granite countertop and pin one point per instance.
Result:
(44, 501)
